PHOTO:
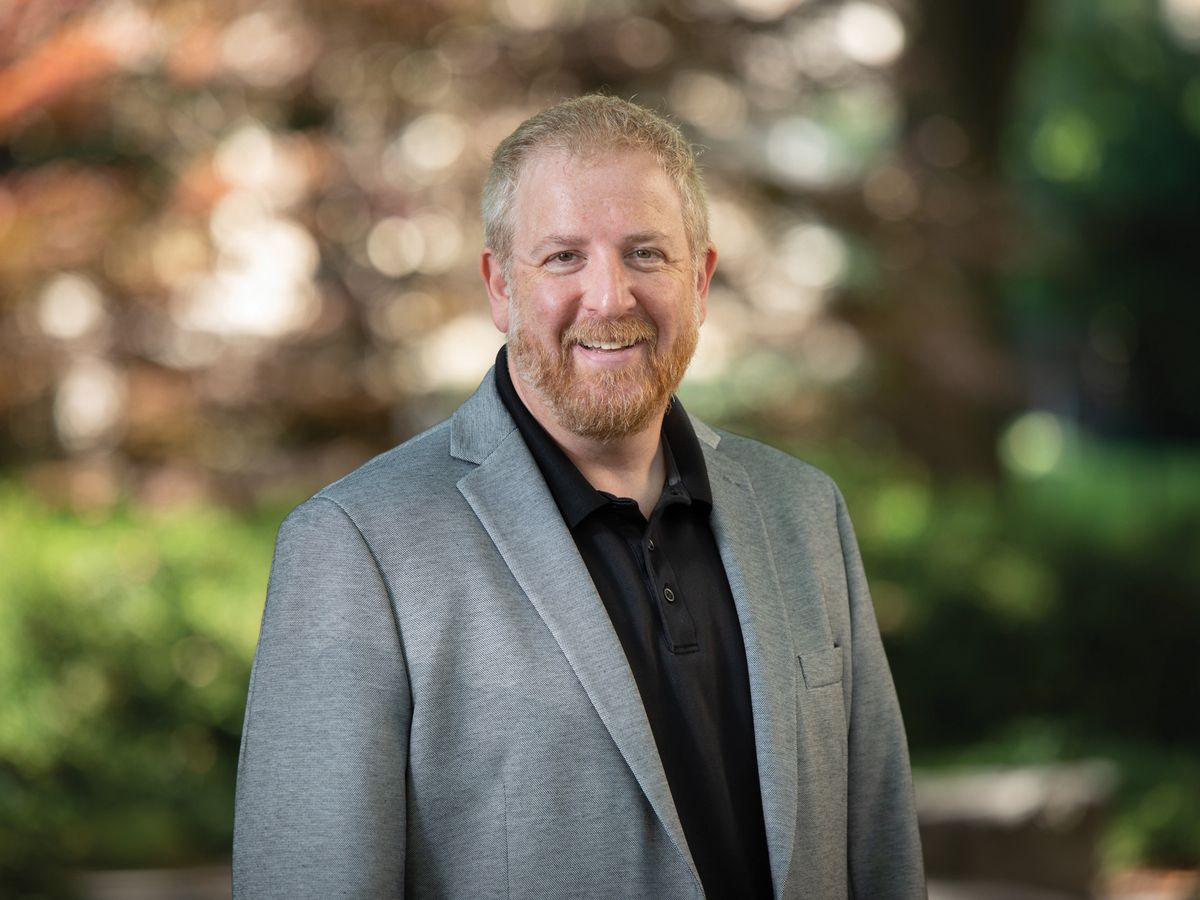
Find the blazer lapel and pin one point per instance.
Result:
(510, 497)
(750, 566)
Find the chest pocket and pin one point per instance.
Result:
(821, 667)
(821, 713)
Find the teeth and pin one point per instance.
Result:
(607, 345)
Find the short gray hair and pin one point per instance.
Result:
(593, 123)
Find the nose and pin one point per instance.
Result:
(608, 289)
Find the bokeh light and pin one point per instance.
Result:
(870, 33)
(1034, 444)
(71, 306)
(89, 404)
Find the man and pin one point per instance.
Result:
(572, 643)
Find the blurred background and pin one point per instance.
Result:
(238, 257)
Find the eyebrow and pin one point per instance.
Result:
(645, 237)
(559, 239)
(555, 240)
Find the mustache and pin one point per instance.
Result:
(626, 330)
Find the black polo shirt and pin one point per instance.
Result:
(666, 592)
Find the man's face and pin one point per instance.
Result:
(603, 300)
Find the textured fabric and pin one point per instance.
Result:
(686, 652)
(440, 706)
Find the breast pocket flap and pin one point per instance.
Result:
(821, 667)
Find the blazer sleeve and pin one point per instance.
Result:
(320, 809)
(884, 847)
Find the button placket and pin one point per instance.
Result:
(677, 623)
(676, 618)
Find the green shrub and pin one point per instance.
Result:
(125, 647)
(1070, 599)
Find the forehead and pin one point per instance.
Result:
(623, 191)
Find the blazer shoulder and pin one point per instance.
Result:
(411, 475)
(774, 471)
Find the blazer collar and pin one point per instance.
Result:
(540, 552)
(745, 547)
(479, 426)
(560, 588)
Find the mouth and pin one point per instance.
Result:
(607, 345)
(611, 342)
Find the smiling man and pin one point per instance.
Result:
(601, 291)
(572, 642)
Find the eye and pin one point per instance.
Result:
(562, 258)
(645, 254)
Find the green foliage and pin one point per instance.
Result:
(1103, 141)
(1072, 599)
(125, 646)
(1103, 123)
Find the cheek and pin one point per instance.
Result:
(674, 307)
(550, 306)
(538, 320)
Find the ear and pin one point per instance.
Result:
(497, 288)
(704, 274)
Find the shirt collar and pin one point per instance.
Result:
(575, 496)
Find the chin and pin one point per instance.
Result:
(613, 413)
(603, 406)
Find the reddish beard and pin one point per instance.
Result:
(608, 404)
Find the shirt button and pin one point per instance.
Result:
(670, 595)
(650, 545)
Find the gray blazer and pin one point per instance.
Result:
(440, 707)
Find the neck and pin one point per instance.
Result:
(631, 466)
